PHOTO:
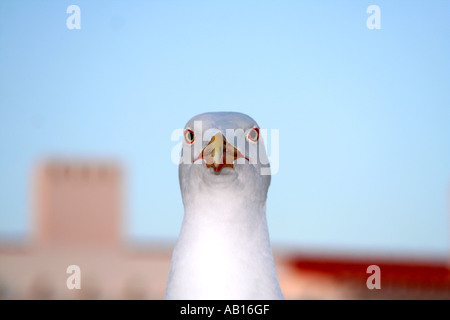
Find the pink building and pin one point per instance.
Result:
(78, 219)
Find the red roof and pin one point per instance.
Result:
(431, 273)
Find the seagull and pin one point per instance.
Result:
(223, 251)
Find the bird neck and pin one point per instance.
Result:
(224, 245)
(224, 210)
(229, 225)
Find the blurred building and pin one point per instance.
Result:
(78, 219)
(78, 204)
(312, 276)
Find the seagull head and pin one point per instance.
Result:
(223, 150)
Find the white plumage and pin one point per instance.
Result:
(223, 250)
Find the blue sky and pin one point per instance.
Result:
(363, 114)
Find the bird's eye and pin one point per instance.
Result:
(189, 136)
(253, 135)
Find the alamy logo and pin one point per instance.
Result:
(373, 21)
(74, 280)
(374, 281)
(74, 20)
(257, 149)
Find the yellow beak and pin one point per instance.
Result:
(219, 153)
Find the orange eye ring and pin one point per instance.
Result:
(189, 136)
(253, 135)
